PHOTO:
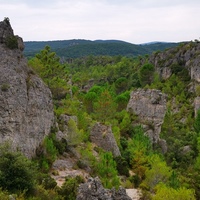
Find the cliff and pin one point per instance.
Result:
(150, 107)
(185, 56)
(26, 108)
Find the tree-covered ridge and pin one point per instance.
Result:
(81, 48)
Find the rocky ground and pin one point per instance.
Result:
(135, 194)
(66, 166)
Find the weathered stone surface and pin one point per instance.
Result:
(26, 108)
(5, 30)
(63, 132)
(93, 190)
(187, 56)
(196, 105)
(103, 137)
(150, 107)
(195, 69)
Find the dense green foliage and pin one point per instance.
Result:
(81, 48)
(16, 171)
(107, 171)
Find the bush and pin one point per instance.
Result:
(122, 166)
(70, 187)
(16, 171)
(46, 181)
(5, 87)
(164, 192)
(46, 154)
(11, 42)
(42, 194)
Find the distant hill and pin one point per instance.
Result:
(80, 48)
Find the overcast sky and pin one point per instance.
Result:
(135, 21)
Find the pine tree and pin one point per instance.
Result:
(107, 171)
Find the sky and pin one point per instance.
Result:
(134, 21)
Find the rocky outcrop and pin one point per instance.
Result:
(6, 30)
(196, 105)
(26, 108)
(63, 126)
(150, 107)
(103, 137)
(186, 56)
(93, 190)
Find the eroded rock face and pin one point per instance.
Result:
(93, 190)
(187, 56)
(150, 107)
(196, 105)
(195, 69)
(5, 30)
(103, 137)
(26, 108)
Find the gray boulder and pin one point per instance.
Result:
(103, 137)
(93, 190)
(150, 107)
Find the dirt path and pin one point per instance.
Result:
(135, 194)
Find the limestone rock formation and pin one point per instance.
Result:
(186, 56)
(150, 107)
(103, 137)
(196, 105)
(93, 190)
(5, 30)
(26, 108)
(63, 127)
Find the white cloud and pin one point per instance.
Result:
(128, 20)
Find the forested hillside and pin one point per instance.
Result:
(132, 121)
(81, 48)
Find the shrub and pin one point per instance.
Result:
(5, 87)
(122, 166)
(146, 74)
(70, 187)
(164, 192)
(11, 42)
(16, 171)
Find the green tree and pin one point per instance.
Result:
(121, 84)
(89, 100)
(105, 107)
(75, 136)
(139, 148)
(146, 74)
(17, 173)
(174, 181)
(54, 74)
(107, 171)
(70, 188)
(122, 100)
(167, 193)
(159, 172)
